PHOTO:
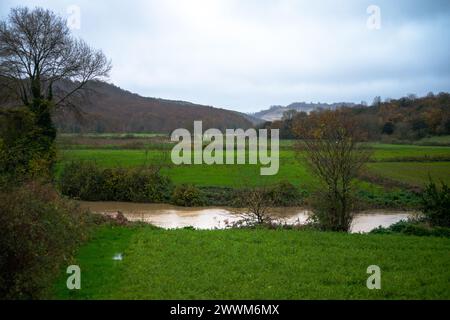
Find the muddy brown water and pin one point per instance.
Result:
(169, 217)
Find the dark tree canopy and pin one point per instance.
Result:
(38, 55)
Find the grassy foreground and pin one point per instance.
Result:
(257, 264)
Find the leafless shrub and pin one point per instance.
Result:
(255, 207)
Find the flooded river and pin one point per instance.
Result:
(168, 216)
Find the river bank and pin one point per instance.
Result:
(170, 217)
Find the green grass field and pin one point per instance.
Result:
(257, 264)
(201, 175)
(114, 135)
(388, 164)
(434, 141)
(394, 152)
(413, 173)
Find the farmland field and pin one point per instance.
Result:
(410, 164)
(436, 140)
(394, 152)
(414, 173)
(240, 264)
(114, 135)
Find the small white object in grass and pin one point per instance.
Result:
(118, 256)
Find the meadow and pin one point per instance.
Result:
(408, 164)
(256, 264)
(413, 173)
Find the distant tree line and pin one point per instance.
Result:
(407, 118)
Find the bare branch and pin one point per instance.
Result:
(37, 53)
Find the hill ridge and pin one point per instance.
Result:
(110, 108)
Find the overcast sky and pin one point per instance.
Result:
(249, 54)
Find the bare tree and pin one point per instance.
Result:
(331, 145)
(44, 67)
(256, 205)
(41, 61)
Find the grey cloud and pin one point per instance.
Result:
(247, 55)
